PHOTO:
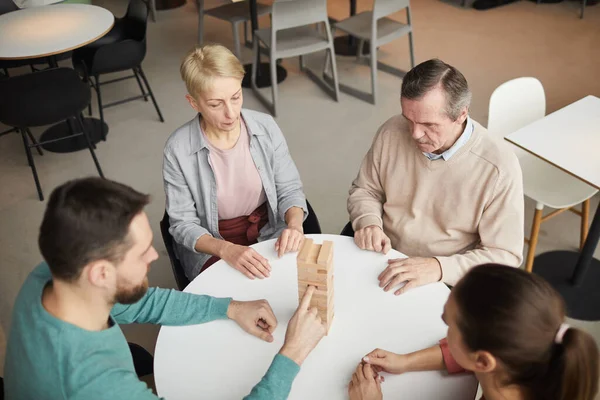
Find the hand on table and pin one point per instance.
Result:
(386, 361)
(415, 271)
(372, 238)
(304, 331)
(291, 240)
(365, 384)
(247, 261)
(255, 317)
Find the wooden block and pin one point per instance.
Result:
(326, 254)
(305, 250)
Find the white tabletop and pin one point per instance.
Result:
(568, 138)
(48, 30)
(218, 360)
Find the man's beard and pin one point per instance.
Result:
(131, 295)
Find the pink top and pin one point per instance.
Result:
(239, 188)
(451, 365)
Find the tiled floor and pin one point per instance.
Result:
(547, 41)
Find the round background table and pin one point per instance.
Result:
(50, 30)
(218, 360)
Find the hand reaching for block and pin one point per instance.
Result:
(304, 331)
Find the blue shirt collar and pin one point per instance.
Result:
(464, 138)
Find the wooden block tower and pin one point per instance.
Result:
(315, 268)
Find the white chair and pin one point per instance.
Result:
(376, 28)
(513, 105)
(234, 13)
(293, 33)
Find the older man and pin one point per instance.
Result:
(437, 187)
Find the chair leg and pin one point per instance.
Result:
(34, 141)
(32, 164)
(373, 56)
(533, 239)
(273, 62)
(359, 49)
(245, 33)
(141, 72)
(137, 78)
(200, 4)
(100, 109)
(585, 216)
(90, 145)
(336, 84)
(583, 4)
(236, 40)
(301, 61)
(412, 50)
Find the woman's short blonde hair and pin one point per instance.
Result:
(202, 64)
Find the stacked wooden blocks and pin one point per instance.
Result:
(315, 268)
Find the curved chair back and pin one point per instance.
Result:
(515, 104)
(180, 277)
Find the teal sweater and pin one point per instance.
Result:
(51, 359)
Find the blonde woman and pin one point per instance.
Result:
(229, 178)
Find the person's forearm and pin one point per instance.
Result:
(430, 359)
(294, 217)
(209, 245)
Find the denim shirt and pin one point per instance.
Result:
(191, 188)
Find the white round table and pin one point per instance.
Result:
(50, 30)
(218, 360)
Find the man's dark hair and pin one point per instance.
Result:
(87, 220)
(429, 74)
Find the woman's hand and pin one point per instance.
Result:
(291, 240)
(246, 260)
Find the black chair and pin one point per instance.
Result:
(1, 388)
(348, 231)
(178, 272)
(310, 225)
(123, 49)
(143, 361)
(45, 98)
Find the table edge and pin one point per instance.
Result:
(53, 53)
(551, 163)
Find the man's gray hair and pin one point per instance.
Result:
(429, 74)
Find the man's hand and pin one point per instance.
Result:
(386, 361)
(246, 260)
(255, 317)
(415, 271)
(304, 331)
(291, 240)
(372, 238)
(365, 384)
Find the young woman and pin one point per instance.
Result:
(508, 327)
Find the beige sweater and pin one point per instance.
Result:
(465, 211)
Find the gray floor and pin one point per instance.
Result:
(326, 139)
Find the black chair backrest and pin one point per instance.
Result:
(180, 278)
(136, 20)
(348, 231)
(7, 6)
(311, 223)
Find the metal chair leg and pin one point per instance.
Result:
(583, 4)
(141, 72)
(100, 109)
(35, 142)
(31, 164)
(236, 40)
(137, 78)
(90, 145)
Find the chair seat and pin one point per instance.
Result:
(551, 186)
(237, 12)
(360, 26)
(42, 98)
(294, 41)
